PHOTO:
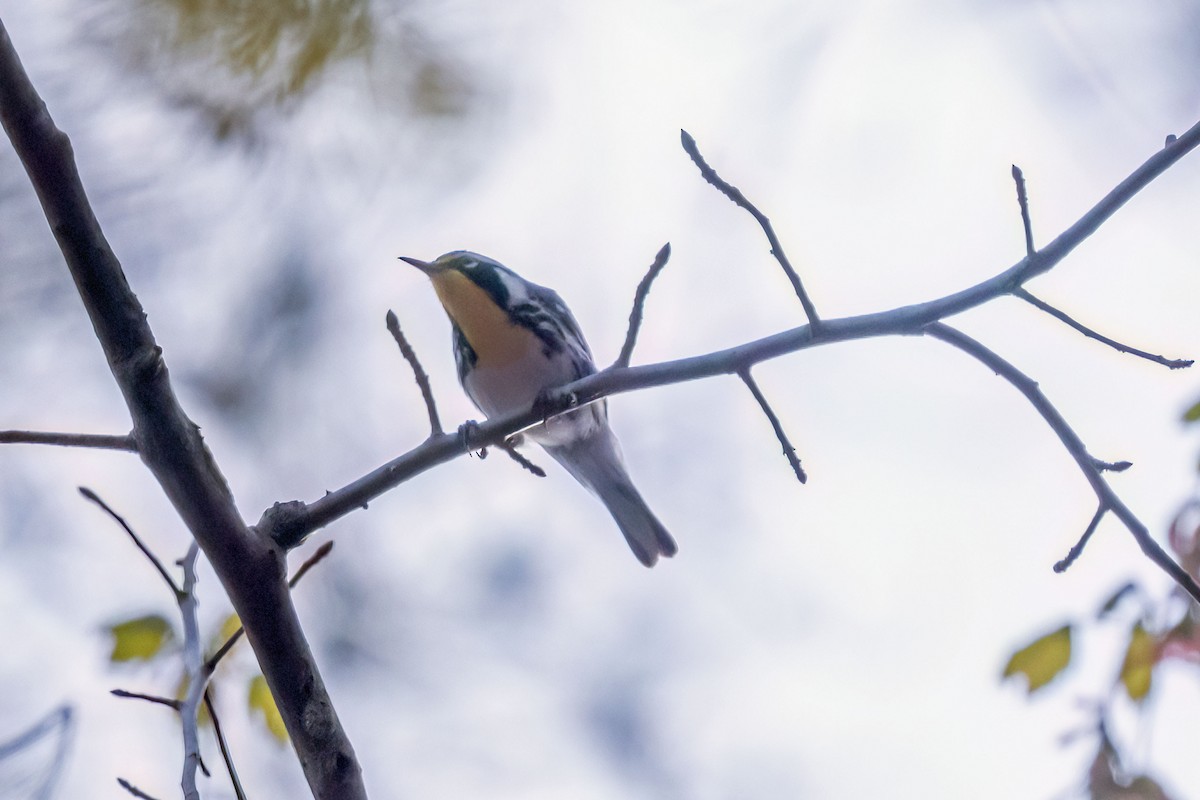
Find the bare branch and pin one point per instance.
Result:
(788, 449)
(1075, 552)
(639, 300)
(1023, 202)
(1107, 497)
(226, 755)
(133, 790)
(1025, 295)
(510, 447)
(1112, 466)
(316, 558)
(94, 440)
(166, 576)
(197, 676)
(735, 194)
(249, 566)
(410, 355)
(169, 702)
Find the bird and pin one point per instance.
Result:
(514, 341)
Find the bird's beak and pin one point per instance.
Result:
(424, 266)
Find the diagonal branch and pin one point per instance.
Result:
(735, 194)
(250, 566)
(410, 355)
(98, 441)
(146, 551)
(789, 450)
(1169, 363)
(1107, 497)
(639, 300)
(1023, 202)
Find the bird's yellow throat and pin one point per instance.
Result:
(487, 327)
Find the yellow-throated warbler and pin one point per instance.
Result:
(513, 340)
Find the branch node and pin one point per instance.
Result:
(639, 300)
(1111, 466)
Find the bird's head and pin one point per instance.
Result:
(475, 290)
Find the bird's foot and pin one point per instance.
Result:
(467, 430)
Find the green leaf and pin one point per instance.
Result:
(261, 700)
(1138, 667)
(140, 638)
(1042, 660)
(1192, 414)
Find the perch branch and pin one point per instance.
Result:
(789, 451)
(251, 567)
(288, 523)
(410, 355)
(1107, 497)
(1169, 363)
(97, 441)
(735, 194)
(639, 301)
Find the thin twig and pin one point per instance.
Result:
(735, 194)
(133, 790)
(150, 698)
(1112, 466)
(226, 755)
(98, 441)
(309, 563)
(1169, 363)
(1023, 202)
(510, 447)
(788, 449)
(1075, 552)
(197, 676)
(639, 300)
(410, 355)
(166, 576)
(1107, 497)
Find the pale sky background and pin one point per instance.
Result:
(486, 634)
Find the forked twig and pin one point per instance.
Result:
(1108, 499)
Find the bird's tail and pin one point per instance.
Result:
(595, 461)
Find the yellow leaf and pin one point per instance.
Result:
(260, 699)
(229, 627)
(139, 638)
(1042, 660)
(1138, 667)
